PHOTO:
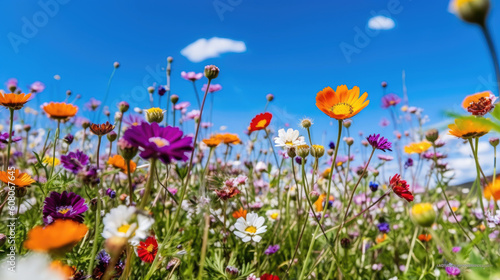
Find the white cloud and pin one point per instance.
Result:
(381, 23)
(203, 49)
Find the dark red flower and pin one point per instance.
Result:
(269, 277)
(401, 188)
(101, 129)
(147, 250)
(227, 192)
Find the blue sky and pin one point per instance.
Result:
(292, 50)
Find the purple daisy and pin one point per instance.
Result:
(65, 206)
(74, 162)
(390, 100)
(133, 120)
(159, 142)
(272, 249)
(378, 142)
(4, 138)
(452, 270)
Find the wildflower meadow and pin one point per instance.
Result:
(94, 190)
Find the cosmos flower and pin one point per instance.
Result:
(14, 101)
(118, 161)
(133, 120)
(417, 148)
(147, 250)
(191, 76)
(60, 111)
(37, 87)
(479, 104)
(390, 100)
(467, 128)
(261, 121)
(93, 104)
(385, 157)
(74, 161)
(401, 188)
(250, 227)
(101, 129)
(65, 206)
(182, 105)
(164, 143)
(4, 138)
(289, 139)
(120, 222)
(341, 104)
(213, 88)
(379, 143)
(61, 235)
(452, 270)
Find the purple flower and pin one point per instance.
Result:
(93, 104)
(133, 120)
(390, 100)
(452, 270)
(456, 249)
(103, 257)
(409, 163)
(213, 88)
(163, 143)
(272, 249)
(89, 176)
(11, 83)
(191, 76)
(4, 138)
(378, 142)
(111, 193)
(65, 206)
(331, 145)
(161, 90)
(37, 87)
(74, 162)
(384, 227)
(385, 157)
(69, 138)
(384, 122)
(182, 105)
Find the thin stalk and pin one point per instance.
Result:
(54, 150)
(10, 139)
(149, 184)
(493, 53)
(130, 185)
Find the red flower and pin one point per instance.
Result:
(269, 277)
(260, 121)
(401, 188)
(147, 250)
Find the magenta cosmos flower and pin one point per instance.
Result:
(379, 143)
(390, 100)
(65, 206)
(163, 143)
(37, 87)
(213, 88)
(191, 76)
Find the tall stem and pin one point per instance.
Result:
(493, 53)
(10, 139)
(196, 94)
(130, 186)
(149, 184)
(54, 150)
(96, 234)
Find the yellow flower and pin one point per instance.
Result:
(417, 148)
(381, 238)
(51, 160)
(472, 11)
(423, 214)
(466, 128)
(341, 104)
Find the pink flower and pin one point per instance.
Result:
(206, 124)
(182, 105)
(191, 76)
(12, 83)
(194, 114)
(213, 88)
(384, 122)
(37, 87)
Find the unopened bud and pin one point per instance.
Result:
(211, 72)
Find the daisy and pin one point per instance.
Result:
(342, 103)
(250, 228)
(120, 222)
(288, 139)
(273, 214)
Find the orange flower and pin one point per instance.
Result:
(476, 98)
(240, 213)
(326, 173)
(492, 190)
(260, 121)
(58, 237)
(14, 101)
(381, 238)
(212, 142)
(101, 129)
(417, 148)
(118, 161)
(21, 180)
(60, 111)
(425, 237)
(341, 104)
(65, 270)
(229, 138)
(467, 128)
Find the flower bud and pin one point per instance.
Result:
(154, 115)
(211, 72)
(93, 204)
(151, 90)
(118, 116)
(123, 106)
(68, 139)
(373, 186)
(303, 151)
(349, 140)
(270, 97)
(494, 141)
(3, 238)
(306, 123)
(170, 59)
(174, 98)
(330, 152)
(317, 151)
(432, 135)
(384, 84)
(347, 123)
(111, 136)
(127, 151)
(472, 11)
(68, 92)
(345, 243)
(116, 64)
(423, 214)
(85, 124)
(291, 152)
(27, 127)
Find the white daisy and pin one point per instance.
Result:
(273, 214)
(120, 222)
(288, 139)
(31, 266)
(250, 228)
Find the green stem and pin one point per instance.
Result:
(493, 53)
(54, 150)
(10, 139)
(96, 235)
(149, 184)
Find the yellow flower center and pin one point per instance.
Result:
(289, 143)
(64, 210)
(124, 228)
(150, 248)
(454, 209)
(160, 142)
(274, 216)
(155, 110)
(261, 123)
(251, 229)
(342, 109)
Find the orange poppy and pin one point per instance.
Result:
(14, 101)
(60, 111)
(212, 142)
(20, 180)
(381, 238)
(261, 121)
(60, 236)
(229, 138)
(240, 213)
(101, 129)
(425, 237)
(118, 161)
(341, 104)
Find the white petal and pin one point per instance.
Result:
(259, 222)
(261, 230)
(239, 234)
(246, 239)
(256, 238)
